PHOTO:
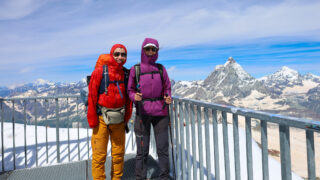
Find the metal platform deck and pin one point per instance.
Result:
(80, 170)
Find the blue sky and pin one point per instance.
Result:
(61, 40)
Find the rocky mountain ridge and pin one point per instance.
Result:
(286, 91)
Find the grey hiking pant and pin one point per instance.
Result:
(142, 127)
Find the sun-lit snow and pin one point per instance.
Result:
(307, 85)
(259, 101)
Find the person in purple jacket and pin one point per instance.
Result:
(150, 94)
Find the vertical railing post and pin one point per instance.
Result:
(2, 144)
(310, 154)
(200, 146)
(25, 133)
(68, 124)
(226, 145)
(193, 136)
(13, 137)
(285, 152)
(216, 144)
(88, 147)
(236, 146)
(77, 102)
(264, 147)
(207, 141)
(182, 154)
(173, 147)
(186, 110)
(46, 114)
(249, 148)
(178, 165)
(57, 130)
(36, 129)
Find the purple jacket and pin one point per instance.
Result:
(151, 85)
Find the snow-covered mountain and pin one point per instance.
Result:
(287, 80)
(286, 91)
(42, 88)
(225, 84)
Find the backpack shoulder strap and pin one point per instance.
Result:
(160, 67)
(126, 77)
(126, 73)
(106, 78)
(137, 70)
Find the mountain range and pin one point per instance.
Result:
(284, 92)
(43, 88)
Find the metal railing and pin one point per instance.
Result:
(56, 112)
(187, 114)
(58, 103)
(188, 118)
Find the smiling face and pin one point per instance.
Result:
(119, 55)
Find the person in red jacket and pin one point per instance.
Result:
(109, 109)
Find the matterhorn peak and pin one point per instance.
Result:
(231, 60)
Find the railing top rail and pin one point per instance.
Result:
(269, 117)
(38, 97)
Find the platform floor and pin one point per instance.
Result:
(80, 170)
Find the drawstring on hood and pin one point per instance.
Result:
(149, 59)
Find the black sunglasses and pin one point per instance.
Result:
(116, 54)
(153, 49)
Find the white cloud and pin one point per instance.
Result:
(171, 69)
(189, 73)
(14, 9)
(26, 70)
(12, 86)
(172, 26)
(86, 28)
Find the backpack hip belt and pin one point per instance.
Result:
(152, 99)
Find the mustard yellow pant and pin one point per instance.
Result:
(99, 143)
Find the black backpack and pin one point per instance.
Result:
(138, 74)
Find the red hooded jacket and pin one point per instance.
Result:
(113, 98)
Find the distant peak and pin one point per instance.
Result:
(310, 75)
(286, 68)
(231, 60)
(42, 82)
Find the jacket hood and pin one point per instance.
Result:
(113, 62)
(149, 59)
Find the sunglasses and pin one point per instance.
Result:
(153, 49)
(116, 54)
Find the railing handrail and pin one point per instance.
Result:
(38, 97)
(264, 116)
